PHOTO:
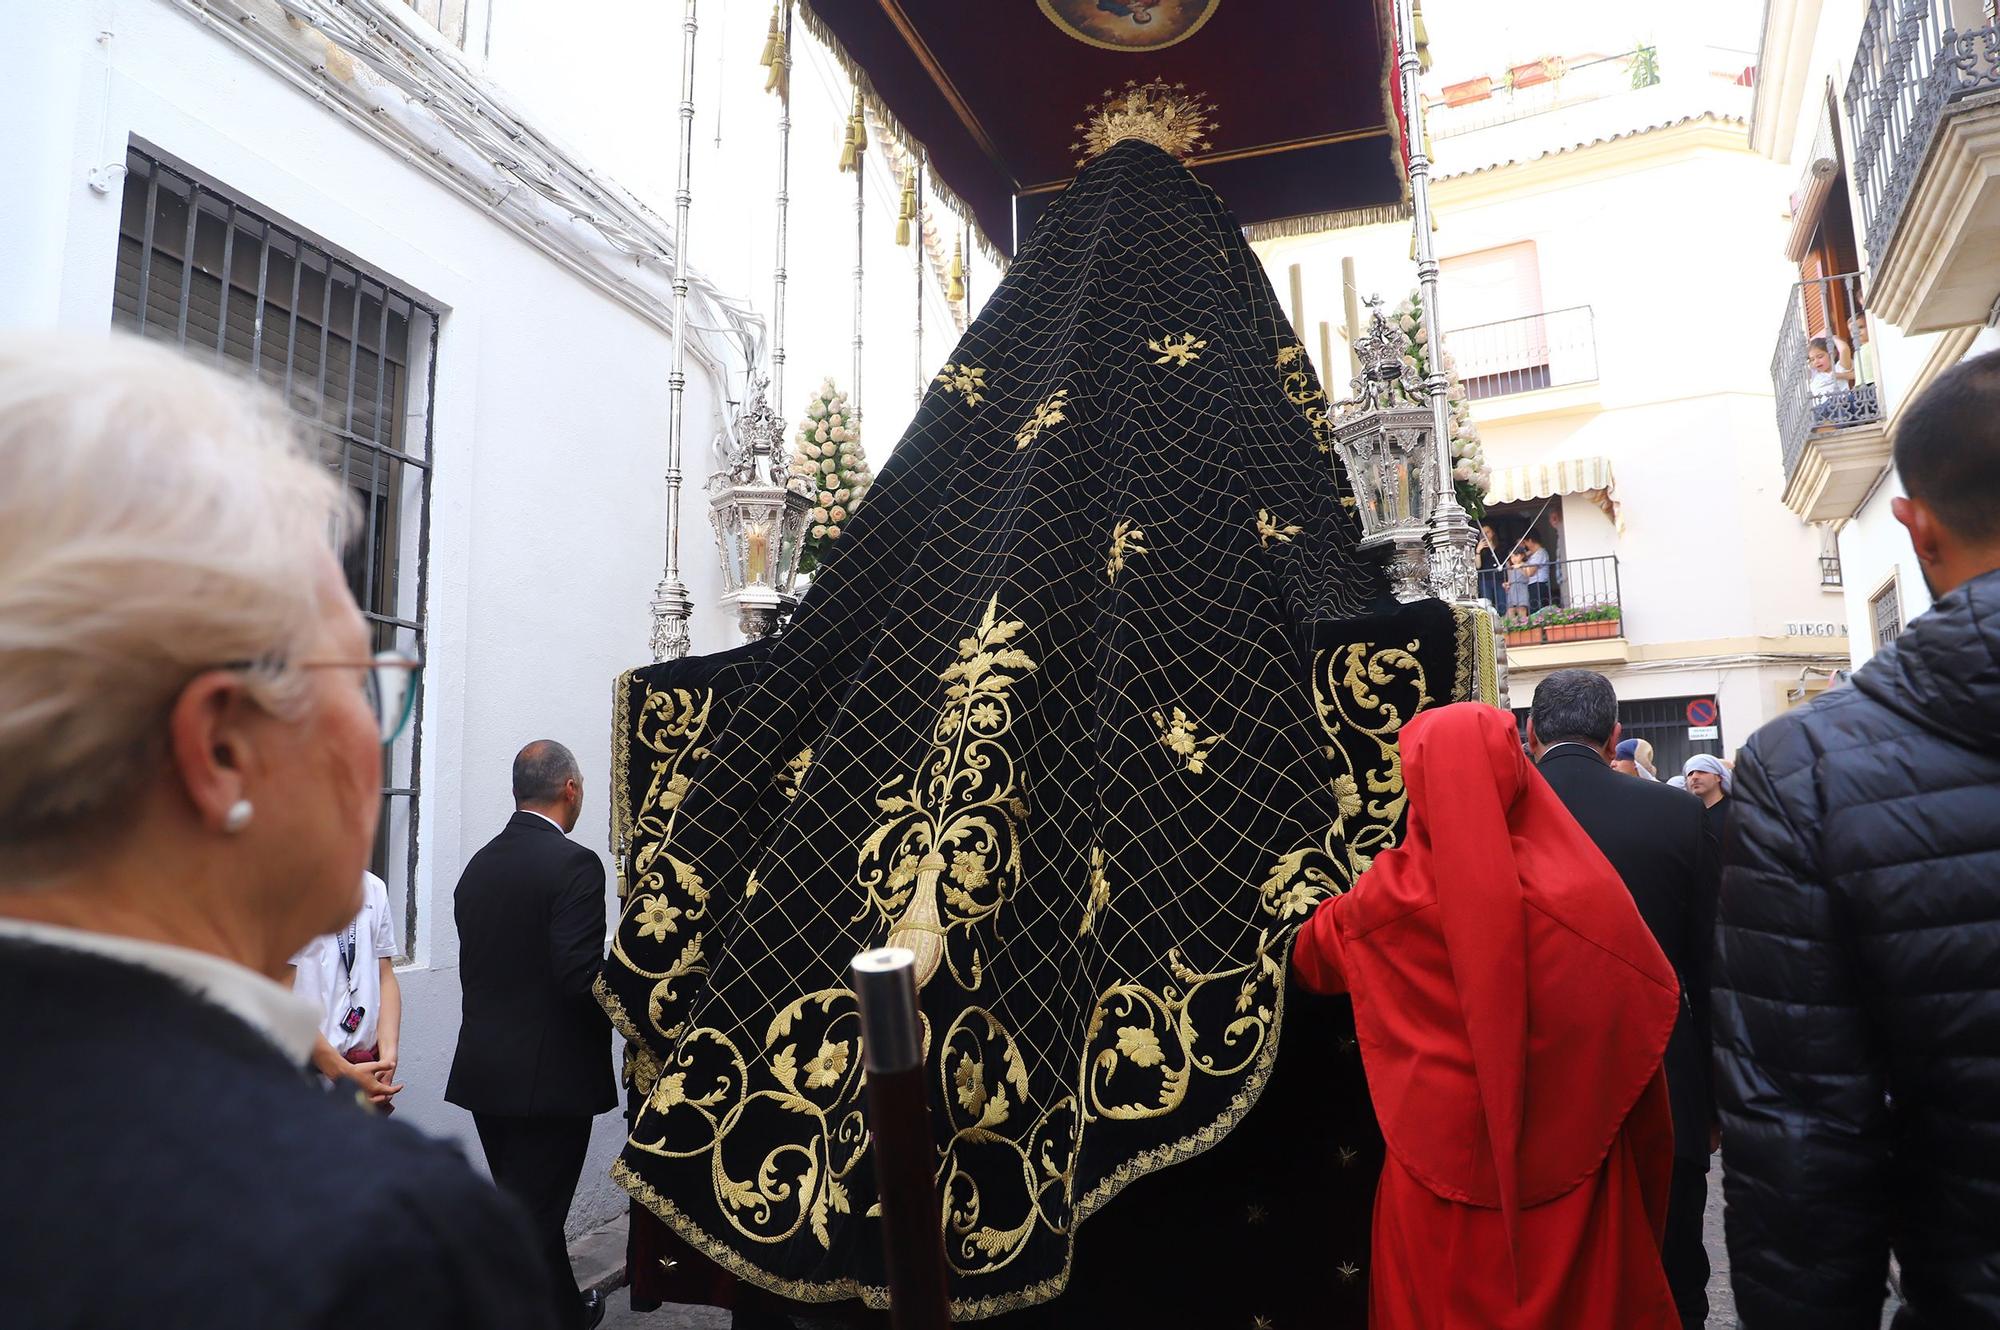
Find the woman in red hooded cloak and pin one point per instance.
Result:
(1513, 1010)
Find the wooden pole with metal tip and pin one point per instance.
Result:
(898, 1106)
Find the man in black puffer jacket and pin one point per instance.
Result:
(1857, 985)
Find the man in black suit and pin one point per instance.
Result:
(534, 1049)
(1657, 839)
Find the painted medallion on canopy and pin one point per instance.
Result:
(1129, 25)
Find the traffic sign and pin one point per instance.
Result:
(1702, 711)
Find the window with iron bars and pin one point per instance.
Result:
(1886, 607)
(355, 360)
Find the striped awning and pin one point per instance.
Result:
(1542, 480)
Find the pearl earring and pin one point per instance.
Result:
(238, 816)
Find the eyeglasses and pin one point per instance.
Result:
(389, 682)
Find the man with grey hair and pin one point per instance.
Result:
(1656, 838)
(534, 1049)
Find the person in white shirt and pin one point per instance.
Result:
(349, 977)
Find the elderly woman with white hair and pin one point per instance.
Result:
(191, 731)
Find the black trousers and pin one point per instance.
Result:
(1683, 1253)
(537, 1161)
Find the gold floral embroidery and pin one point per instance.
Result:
(793, 777)
(1047, 413)
(1127, 538)
(1183, 738)
(1100, 892)
(1365, 694)
(948, 850)
(1269, 530)
(1177, 351)
(1347, 1157)
(1348, 1272)
(656, 917)
(1302, 392)
(968, 381)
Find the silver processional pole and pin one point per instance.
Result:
(1453, 542)
(672, 606)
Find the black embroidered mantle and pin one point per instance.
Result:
(1093, 703)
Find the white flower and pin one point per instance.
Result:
(840, 495)
(815, 411)
(833, 533)
(825, 499)
(838, 514)
(819, 533)
(819, 516)
(1463, 471)
(833, 418)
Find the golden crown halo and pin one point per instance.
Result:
(1163, 114)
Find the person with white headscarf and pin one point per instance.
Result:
(1708, 779)
(1635, 758)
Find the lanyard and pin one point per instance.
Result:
(349, 944)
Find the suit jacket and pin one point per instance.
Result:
(167, 1167)
(1658, 839)
(532, 1041)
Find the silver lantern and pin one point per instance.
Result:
(760, 519)
(1383, 437)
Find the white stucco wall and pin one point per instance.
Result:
(547, 508)
(1685, 305)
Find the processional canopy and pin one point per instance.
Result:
(1300, 119)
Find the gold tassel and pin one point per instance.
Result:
(770, 55)
(908, 210)
(778, 81)
(955, 288)
(855, 141)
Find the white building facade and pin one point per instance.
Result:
(1886, 117)
(374, 207)
(1591, 228)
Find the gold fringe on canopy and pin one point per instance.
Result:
(1313, 223)
(864, 90)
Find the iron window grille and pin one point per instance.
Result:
(1886, 609)
(353, 357)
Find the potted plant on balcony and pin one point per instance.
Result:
(1567, 623)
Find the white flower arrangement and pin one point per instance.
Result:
(1468, 451)
(827, 454)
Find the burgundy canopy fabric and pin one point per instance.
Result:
(994, 93)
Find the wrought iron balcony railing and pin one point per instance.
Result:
(1913, 64)
(1551, 350)
(1810, 401)
(1578, 601)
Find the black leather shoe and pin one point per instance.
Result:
(593, 1310)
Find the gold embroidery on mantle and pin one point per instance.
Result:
(1127, 538)
(1269, 530)
(948, 851)
(1099, 898)
(1047, 413)
(1177, 351)
(968, 381)
(1365, 694)
(1183, 739)
(793, 777)
(1304, 393)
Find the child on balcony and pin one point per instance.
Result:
(1518, 575)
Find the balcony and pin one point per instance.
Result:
(1579, 603)
(1923, 103)
(1536, 351)
(1833, 437)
